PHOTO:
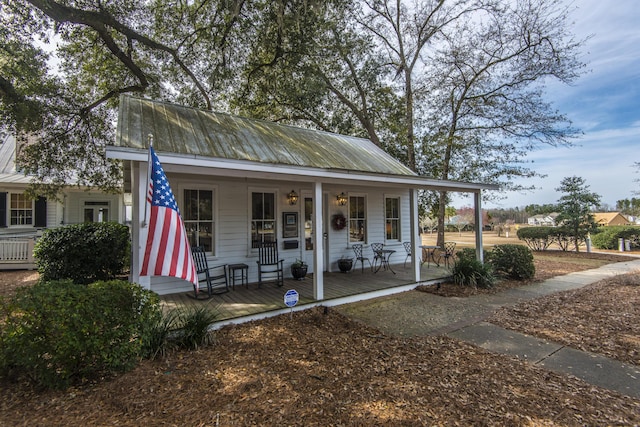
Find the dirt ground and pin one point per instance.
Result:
(327, 368)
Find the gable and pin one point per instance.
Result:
(190, 131)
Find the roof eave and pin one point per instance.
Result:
(173, 162)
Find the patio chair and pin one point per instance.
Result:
(357, 250)
(407, 248)
(269, 263)
(449, 252)
(378, 257)
(215, 277)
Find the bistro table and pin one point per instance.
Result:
(430, 253)
(384, 255)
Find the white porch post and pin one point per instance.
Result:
(477, 199)
(318, 238)
(416, 240)
(139, 235)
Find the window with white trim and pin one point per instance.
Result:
(263, 218)
(197, 215)
(357, 219)
(20, 210)
(392, 218)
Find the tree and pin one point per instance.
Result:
(103, 49)
(485, 109)
(575, 208)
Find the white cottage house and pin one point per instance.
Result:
(240, 181)
(23, 219)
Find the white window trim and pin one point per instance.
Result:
(276, 201)
(384, 214)
(199, 185)
(8, 214)
(366, 218)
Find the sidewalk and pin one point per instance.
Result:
(592, 368)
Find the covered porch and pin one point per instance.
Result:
(248, 303)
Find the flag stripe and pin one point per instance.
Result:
(167, 250)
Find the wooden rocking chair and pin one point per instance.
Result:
(215, 277)
(269, 263)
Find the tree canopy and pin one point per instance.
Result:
(452, 88)
(575, 206)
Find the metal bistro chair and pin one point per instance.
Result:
(378, 256)
(269, 263)
(215, 277)
(449, 252)
(407, 248)
(357, 250)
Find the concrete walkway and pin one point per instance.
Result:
(592, 368)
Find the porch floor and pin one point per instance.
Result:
(249, 301)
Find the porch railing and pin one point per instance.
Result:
(16, 250)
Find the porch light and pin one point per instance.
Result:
(292, 197)
(342, 199)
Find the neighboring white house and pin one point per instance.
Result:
(547, 220)
(23, 219)
(234, 179)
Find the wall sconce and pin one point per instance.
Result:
(292, 197)
(342, 199)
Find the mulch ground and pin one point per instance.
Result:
(323, 368)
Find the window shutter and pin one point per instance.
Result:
(3, 210)
(41, 212)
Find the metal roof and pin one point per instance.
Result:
(190, 131)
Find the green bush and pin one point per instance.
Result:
(537, 238)
(515, 261)
(470, 253)
(471, 272)
(193, 327)
(59, 333)
(607, 237)
(83, 253)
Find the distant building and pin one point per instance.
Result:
(610, 218)
(546, 220)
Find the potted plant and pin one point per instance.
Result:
(345, 264)
(299, 269)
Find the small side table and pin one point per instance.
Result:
(244, 274)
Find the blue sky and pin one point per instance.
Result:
(604, 104)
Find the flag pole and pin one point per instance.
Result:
(146, 199)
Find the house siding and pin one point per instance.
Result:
(232, 198)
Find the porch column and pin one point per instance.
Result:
(318, 242)
(477, 199)
(416, 240)
(139, 234)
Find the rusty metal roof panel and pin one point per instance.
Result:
(186, 130)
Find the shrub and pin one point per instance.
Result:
(537, 238)
(193, 324)
(83, 253)
(471, 272)
(607, 237)
(470, 253)
(516, 261)
(60, 333)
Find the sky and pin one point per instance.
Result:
(604, 103)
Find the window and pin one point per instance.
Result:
(198, 218)
(392, 218)
(96, 211)
(357, 219)
(263, 218)
(21, 210)
(308, 223)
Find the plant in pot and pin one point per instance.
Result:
(299, 269)
(345, 264)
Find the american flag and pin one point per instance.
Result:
(167, 251)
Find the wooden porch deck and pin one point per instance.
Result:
(249, 301)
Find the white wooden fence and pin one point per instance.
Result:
(17, 253)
